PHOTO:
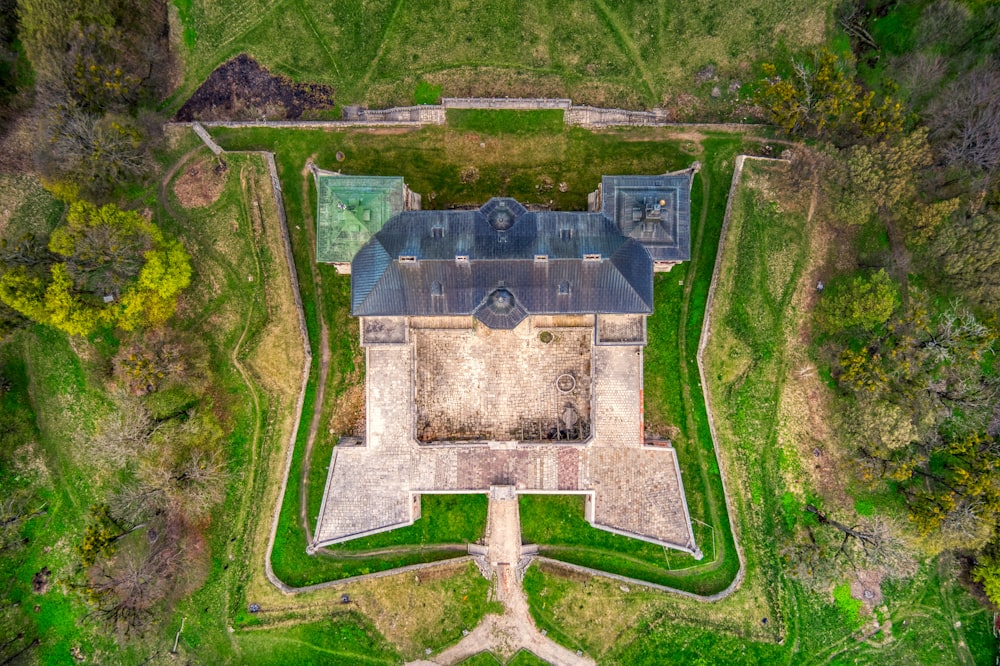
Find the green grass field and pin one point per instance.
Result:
(384, 52)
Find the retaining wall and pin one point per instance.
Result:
(435, 114)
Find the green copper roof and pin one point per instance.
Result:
(350, 210)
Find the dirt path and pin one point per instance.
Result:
(324, 365)
(900, 265)
(504, 635)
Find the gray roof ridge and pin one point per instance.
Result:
(619, 256)
(375, 246)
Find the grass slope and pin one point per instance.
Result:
(381, 52)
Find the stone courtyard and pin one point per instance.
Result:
(497, 385)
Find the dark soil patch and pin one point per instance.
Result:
(40, 581)
(243, 90)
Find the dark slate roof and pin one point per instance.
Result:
(654, 210)
(454, 262)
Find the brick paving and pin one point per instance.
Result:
(636, 489)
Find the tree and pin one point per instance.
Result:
(94, 62)
(97, 151)
(147, 363)
(165, 275)
(873, 543)
(121, 435)
(184, 460)
(957, 495)
(862, 302)
(105, 266)
(986, 570)
(968, 254)
(966, 120)
(826, 550)
(819, 96)
(886, 172)
(127, 587)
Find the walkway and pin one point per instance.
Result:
(504, 635)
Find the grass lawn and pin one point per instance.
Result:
(385, 52)
(500, 122)
(341, 639)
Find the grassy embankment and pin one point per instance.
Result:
(752, 365)
(632, 53)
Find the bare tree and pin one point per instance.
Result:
(965, 120)
(121, 435)
(127, 587)
(185, 461)
(15, 510)
(196, 482)
(95, 150)
(871, 544)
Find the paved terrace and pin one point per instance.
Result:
(631, 488)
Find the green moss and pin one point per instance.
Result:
(849, 607)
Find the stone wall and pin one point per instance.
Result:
(435, 114)
(513, 103)
(590, 116)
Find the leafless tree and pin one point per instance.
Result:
(943, 22)
(136, 503)
(965, 120)
(871, 544)
(121, 435)
(852, 20)
(196, 483)
(920, 73)
(185, 461)
(15, 509)
(127, 587)
(96, 150)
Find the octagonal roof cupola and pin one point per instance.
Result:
(500, 309)
(501, 218)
